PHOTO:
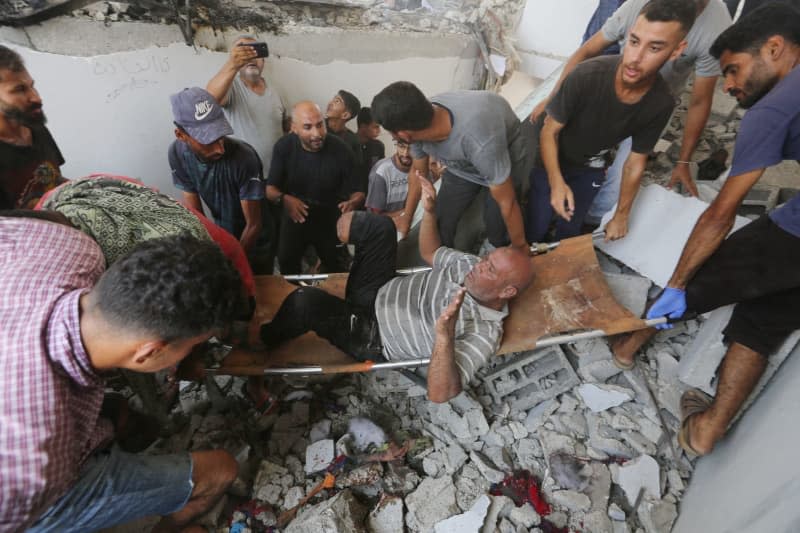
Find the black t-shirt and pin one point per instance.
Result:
(20, 164)
(595, 120)
(372, 151)
(321, 178)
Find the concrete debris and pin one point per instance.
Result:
(657, 516)
(616, 513)
(530, 378)
(698, 366)
(365, 433)
(539, 414)
(387, 516)
(500, 508)
(340, 513)
(603, 438)
(568, 471)
(571, 500)
(367, 474)
(433, 501)
(320, 430)
(319, 455)
(488, 469)
(599, 397)
(596, 522)
(630, 291)
(293, 497)
(640, 474)
(468, 522)
(524, 516)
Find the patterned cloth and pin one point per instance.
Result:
(119, 213)
(50, 396)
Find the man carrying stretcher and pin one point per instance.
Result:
(454, 312)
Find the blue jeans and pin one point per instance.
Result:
(115, 487)
(584, 182)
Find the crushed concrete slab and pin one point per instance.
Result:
(630, 291)
(293, 497)
(387, 516)
(698, 366)
(524, 516)
(500, 508)
(657, 516)
(640, 474)
(603, 438)
(432, 501)
(340, 513)
(568, 471)
(571, 500)
(599, 397)
(531, 377)
(487, 468)
(596, 522)
(537, 415)
(319, 455)
(469, 522)
(366, 474)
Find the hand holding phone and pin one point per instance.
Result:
(261, 48)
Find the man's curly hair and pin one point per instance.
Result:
(173, 287)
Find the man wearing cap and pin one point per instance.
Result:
(224, 173)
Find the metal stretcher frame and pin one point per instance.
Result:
(568, 300)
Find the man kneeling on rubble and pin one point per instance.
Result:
(756, 266)
(454, 312)
(64, 325)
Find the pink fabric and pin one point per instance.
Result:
(50, 396)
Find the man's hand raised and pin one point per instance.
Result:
(242, 54)
(446, 323)
(428, 193)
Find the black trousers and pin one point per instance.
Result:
(319, 231)
(756, 268)
(348, 324)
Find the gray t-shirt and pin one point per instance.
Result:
(255, 119)
(485, 141)
(407, 308)
(711, 22)
(388, 186)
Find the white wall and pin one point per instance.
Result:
(111, 113)
(549, 31)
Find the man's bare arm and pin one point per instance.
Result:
(712, 227)
(192, 199)
(506, 198)
(252, 228)
(696, 118)
(220, 84)
(429, 240)
(561, 197)
(591, 48)
(403, 222)
(444, 381)
(632, 172)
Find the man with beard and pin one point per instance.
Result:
(207, 165)
(29, 157)
(601, 102)
(254, 109)
(388, 182)
(756, 267)
(312, 177)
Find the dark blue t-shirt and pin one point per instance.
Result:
(222, 184)
(770, 133)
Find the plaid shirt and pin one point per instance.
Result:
(50, 396)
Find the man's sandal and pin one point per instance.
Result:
(693, 402)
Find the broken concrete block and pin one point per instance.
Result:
(501, 506)
(571, 500)
(268, 492)
(365, 433)
(599, 486)
(630, 291)
(432, 464)
(698, 366)
(568, 471)
(469, 522)
(524, 516)
(640, 474)
(599, 397)
(676, 485)
(487, 467)
(531, 377)
(432, 501)
(470, 486)
(361, 476)
(598, 371)
(454, 458)
(340, 513)
(604, 438)
(616, 513)
(387, 516)
(319, 455)
(320, 430)
(268, 474)
(657, 516)
(539, 414)
(553, 442)
(597, 522)
(636, 441)
(293, 497)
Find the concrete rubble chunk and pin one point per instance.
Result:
(571, 500)
(340, 513)
(527, 451)
(630, 291)
(657, 516)
(640, 474)
(568, 471)
(599, 397)
(531, 377)
(469, 522)
(555, 442)
(366, 474)
(698, 366)
(500, 508)
(597, 522)
(487, 467)
(599, 488)
(616, 513)
(432, 501)
(293, 497)
(319, 455)
(676, 485)
(603, 438)
(537, 415)
(524, 516)
(387, 516)
(320, 430)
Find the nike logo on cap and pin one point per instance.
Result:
(202, 109)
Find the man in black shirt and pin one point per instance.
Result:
(30, 160)
(372, 150)
(312, 176)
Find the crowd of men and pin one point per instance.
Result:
(104, 273)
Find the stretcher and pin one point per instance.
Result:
(567, 301)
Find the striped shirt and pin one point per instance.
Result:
(407, 308)
(50, 396)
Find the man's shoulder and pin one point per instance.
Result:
(336, 145)
(597, 66)
(714, 18)
(444, 257)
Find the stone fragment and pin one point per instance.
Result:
(486, 467)
(599, 488)
(639, 474)
(524, 516)
(320, 430)
(676, 485)
(340, 513)
(555, 442)
(599, 397)
(698, 366)
(319, 455)
(500, 507)
(367, 474)
(567, 471)
(539, 414)
(630, 291)
(365, 433)
(571, 500)
(603, 438)
(455, 457)
(432, 501)
(468, 522)
(657, 516)
(597, 522)
(616, 513)
(293, 497)
(527, 451)
(400, 479)
(266, 485)
(387, 516)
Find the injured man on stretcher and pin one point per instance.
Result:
(452, 313)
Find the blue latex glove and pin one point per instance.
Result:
(671, 304)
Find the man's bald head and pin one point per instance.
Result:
(499, 276)
(309, 125)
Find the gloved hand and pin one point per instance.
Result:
(671, 304)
